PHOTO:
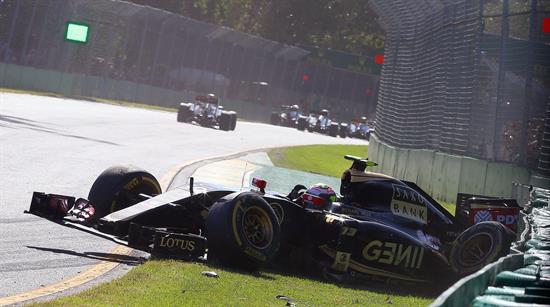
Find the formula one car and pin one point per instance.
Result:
(288, 116)
(207, 112)
(379, 228)
(318, 122)
(358, 129)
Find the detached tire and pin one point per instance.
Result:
(225, 121)
(243, 232)
(302, 123)
(478, 246)
(119, 187)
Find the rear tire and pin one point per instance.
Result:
(302, 123)
(343, 133)
(233, 120)
(184, 113)
(119, 187)
(333, 129)
(225, 121)
(275, 118)
(243, 232)
(477, 246)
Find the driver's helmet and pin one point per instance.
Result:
(294, 107)
(212, 98)
(324, 112)
(364, 119)
(319, 196)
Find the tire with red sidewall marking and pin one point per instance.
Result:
(242, 231)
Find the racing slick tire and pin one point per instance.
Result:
(302, 123)
(477, 246)
(184, 112)
(243, 232)
(225, 121)
(343, 132)
(119, 187)
(275, 118)
(333, 129)
(233, 120)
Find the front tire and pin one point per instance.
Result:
(243, 232)
(119, 187)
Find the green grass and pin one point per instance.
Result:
(176, 283)
(329, 159)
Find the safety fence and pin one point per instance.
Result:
(519, 279)
(143, 45)
(467, 77)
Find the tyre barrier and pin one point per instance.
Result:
(519, 279)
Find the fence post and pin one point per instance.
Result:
(504, 29)
(28, 33)
(12, 29)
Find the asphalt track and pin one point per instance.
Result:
(61, 145)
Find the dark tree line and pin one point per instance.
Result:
(348, 25)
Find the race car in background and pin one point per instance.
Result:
(380, 228)
(318, 122)
(288, 116)
(206, 111)
(357, 129)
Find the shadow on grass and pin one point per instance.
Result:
(124, 259)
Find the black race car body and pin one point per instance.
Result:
(380, 228)
(206, 111)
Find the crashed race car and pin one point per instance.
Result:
(318, 122)
(207, 112)
(288, 116)
(379, 228)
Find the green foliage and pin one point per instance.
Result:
(348, 25)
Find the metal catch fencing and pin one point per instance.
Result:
(150, 46)
(467, 77)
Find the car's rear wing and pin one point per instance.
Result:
(472, 209)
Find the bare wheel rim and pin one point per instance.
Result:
(257, 228)
(477, 249)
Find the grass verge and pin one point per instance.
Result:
(176, 283)
(329, 160)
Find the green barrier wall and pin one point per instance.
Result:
(443, 175)
(77, 85)
(465, 290)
